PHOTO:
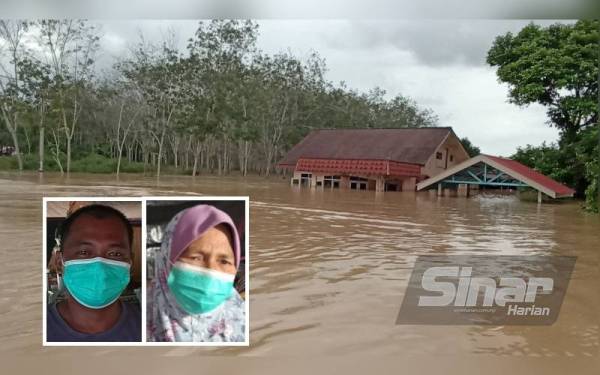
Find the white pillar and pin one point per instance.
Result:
(463, 190)
(379, 184)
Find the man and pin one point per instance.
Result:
(96, 256)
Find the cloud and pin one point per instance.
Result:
(433, 42)
(440, 64)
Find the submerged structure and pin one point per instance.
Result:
(495, 172)
(407, 159)
(373, 159)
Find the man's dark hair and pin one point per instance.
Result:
(98, 211)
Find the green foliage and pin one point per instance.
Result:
(30, 162)
(93, 163)
(8, 163)
(90, 163)
(546, 159)
(588, 149)
(471, 149)
(592, 198)
(221, 104)
(557, 67)
(576, 164)
(132, 167)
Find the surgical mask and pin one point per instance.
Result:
(197, 289)
(96, 282)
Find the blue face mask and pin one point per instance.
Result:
(96, 282)
(197, 289)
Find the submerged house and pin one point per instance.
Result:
(373, 159)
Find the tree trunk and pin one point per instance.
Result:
(121, 142)
(187, 153)
(225, 158)
(119, 162)
(12, 129)
(27, 140)
(68, 136)
(197, 152)
(68, 154)
(219, 164)
(17, 149)
(68, 140)
(175, 142)
(42, 143)
(145, 155)
(57, 152)
(160, 149)
(268, 162)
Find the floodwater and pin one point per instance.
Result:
(329, 268)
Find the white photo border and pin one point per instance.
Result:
(199, 199)
(143, 201)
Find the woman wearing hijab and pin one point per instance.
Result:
(192, 297)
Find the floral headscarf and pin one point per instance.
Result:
(167, 321)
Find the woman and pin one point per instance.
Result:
(192, 297)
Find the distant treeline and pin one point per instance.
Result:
(220, 105)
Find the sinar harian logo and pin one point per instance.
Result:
(486, 289)
(468, 290)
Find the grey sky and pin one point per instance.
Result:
(440, 64)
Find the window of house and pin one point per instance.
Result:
(358, 183)
(451, 157)
(331, 181)
(438, 155)
(305, 179)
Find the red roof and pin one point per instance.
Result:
(525, 171)
(512, 168)
(405, 145)
(364, 167)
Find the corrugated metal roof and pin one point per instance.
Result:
(406, 145)
(560, 189)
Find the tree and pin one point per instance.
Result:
(35, 78)
(119, 105)
(557, 67)
(471, 149)
(156, 71)
(70, 46)
(12, 34)
(545, 158)
(222, 103)
(219, 56)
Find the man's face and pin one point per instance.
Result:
(91, 237)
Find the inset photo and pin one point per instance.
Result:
(92, 270)
(197, 270)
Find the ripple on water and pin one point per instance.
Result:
(329, 269)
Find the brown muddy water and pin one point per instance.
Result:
(329, 268)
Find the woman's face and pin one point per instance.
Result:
(214, 250)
